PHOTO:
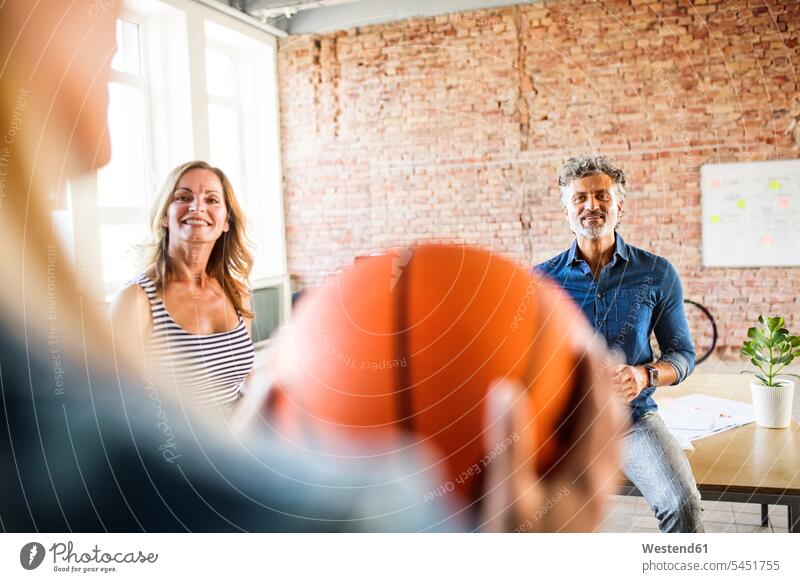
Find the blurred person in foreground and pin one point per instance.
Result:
(89, 443)
(191, 303)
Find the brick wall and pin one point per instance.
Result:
(454, 128)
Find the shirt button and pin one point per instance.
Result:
(599, 295)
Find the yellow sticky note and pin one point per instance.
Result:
(714, 218)
(774, 185)
(740, 203)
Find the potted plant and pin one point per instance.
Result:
(771, 348)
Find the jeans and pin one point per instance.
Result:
(655, 463)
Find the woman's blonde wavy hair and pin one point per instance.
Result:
(231, 259)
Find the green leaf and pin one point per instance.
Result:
(770, 346)
(759, 341)
(778, 337)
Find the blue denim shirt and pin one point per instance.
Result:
(636, 294)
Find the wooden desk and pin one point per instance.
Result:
(748, 464)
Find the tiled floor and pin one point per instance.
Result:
(631, 514)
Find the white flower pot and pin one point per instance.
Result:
(773, 405)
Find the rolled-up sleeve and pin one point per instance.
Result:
(672, 328)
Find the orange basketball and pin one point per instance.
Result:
(409, 343)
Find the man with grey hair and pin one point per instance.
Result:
(627, 294)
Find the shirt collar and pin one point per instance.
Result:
(621, 250)
(573, 253)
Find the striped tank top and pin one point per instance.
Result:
(208, 368)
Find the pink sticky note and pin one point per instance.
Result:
(715, 184)
(783, 202)
(766, 240)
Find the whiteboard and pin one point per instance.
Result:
(751, 214)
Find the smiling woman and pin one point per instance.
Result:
(191, 303)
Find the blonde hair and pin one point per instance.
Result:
(230, 261)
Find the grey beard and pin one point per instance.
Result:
(592, 232)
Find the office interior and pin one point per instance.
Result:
(349, 127)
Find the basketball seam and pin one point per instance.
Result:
(403, 373)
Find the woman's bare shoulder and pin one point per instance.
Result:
(130, 296)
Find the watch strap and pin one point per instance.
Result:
(652, 376)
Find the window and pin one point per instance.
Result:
(243, 136)
(224, 113)
(122, 186)
(186, 83)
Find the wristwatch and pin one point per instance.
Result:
(652, 376)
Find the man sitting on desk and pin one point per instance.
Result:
(628, 293)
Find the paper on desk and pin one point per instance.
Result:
(696, 416)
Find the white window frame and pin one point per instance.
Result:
(134, 215)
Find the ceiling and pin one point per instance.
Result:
(271, 9)
(319, 16)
